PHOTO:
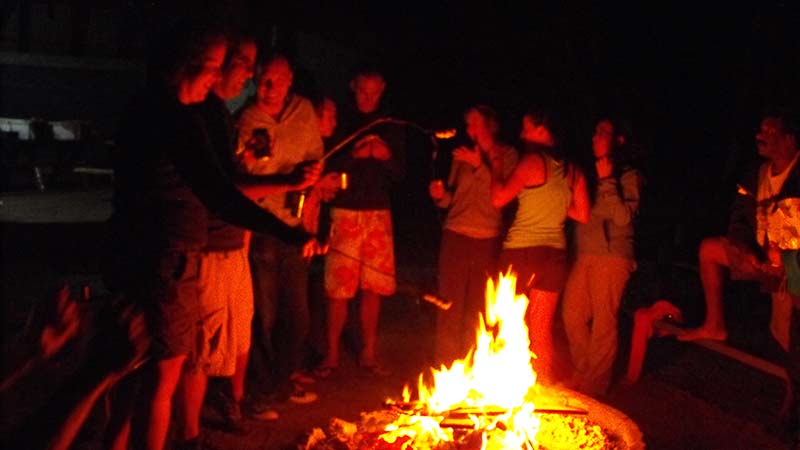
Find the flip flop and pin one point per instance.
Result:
(302, 378)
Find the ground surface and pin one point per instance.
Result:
(688, 397)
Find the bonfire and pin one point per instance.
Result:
(487, 400)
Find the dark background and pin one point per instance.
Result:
(693, 78)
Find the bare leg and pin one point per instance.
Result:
(119, 439)
(157, 405)
(642, 331)
(337, 316)
(191, 392)
(712, 260)
(69, 429)
(370, 312)
(541, 312)
(237, 379)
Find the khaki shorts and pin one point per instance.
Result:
(361, 253)
(167, 291)
(741, 266)
(226, 299)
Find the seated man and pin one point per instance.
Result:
(750, 250)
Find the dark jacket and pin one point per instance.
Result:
(370, 180)
(742, 223)
(168, 177)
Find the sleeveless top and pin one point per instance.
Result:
(542, 211)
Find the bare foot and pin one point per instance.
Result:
(703, 333)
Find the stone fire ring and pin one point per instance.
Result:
(612, 420)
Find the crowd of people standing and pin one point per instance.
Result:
(219, 216)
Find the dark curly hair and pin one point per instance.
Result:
(626, 154)
(176, 52)
(552, 120)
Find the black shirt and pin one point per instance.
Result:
(222, 236)
(168, 177)
(369, 180)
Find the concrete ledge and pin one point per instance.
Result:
(726, 350)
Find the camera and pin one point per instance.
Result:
(259, 143)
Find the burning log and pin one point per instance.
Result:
(468, 407)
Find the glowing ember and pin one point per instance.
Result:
(494, 382)
(485, 400)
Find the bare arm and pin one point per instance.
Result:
(579, 207)
(256, 187)
(529, 171)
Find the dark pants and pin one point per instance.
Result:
(465, 264)
(280, 292)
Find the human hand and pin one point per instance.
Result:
(604, 167)
(259, 144)
(132, 319)
(467, 155)
(371, 146)
(436, 189)
(327, 186)
(774, 255)
(663, 309)
(361, 148)
(313, 248)
(64, 327)
(380, 150)
(307, 173)
(246, 158)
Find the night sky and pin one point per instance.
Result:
(693, 79)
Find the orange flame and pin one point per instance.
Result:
(496, 375)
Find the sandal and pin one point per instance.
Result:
(302, 396)
(324, 372)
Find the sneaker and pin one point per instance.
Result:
(267, 415)
(232, 417)
(261, 409)
(302, 396)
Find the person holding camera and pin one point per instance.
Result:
(288, 123)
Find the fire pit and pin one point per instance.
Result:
(488, 400)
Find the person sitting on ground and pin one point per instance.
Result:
(115, 337)
(747, 251)
(60, 320)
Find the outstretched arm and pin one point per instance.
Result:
(529, 171)
(579, 205)
(197, 162)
